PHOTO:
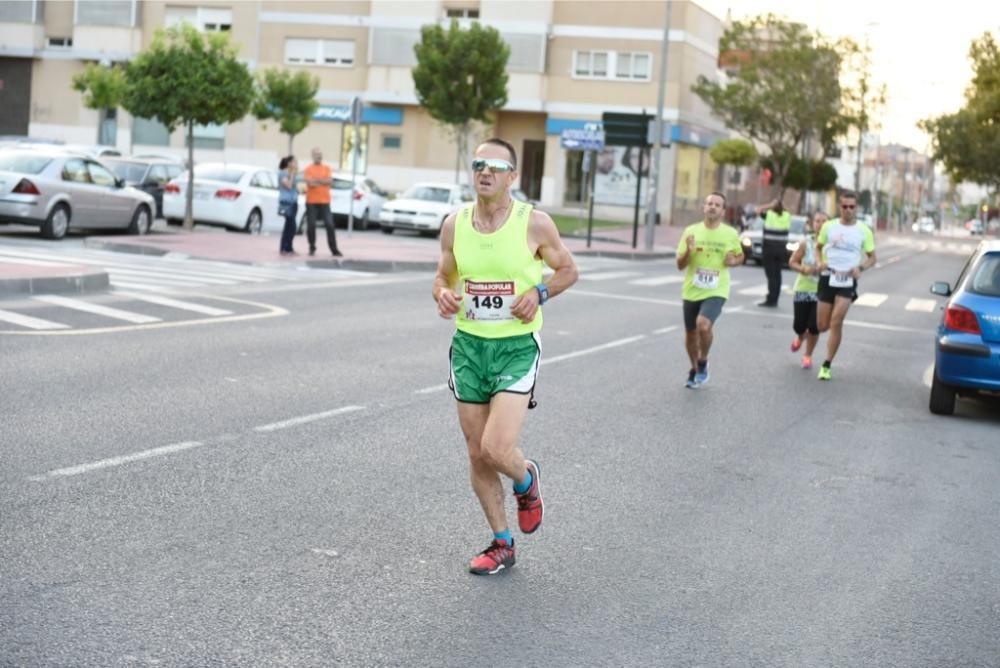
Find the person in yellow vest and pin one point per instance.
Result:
(489, 277)
(774, 251)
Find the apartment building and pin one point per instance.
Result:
(570, 62)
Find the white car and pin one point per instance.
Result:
(237, 197)
(423, 207)
(367, 199)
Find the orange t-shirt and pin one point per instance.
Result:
(317, 194)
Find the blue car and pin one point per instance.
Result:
(967, 358)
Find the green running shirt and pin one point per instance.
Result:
(707, 274)
(493, 270)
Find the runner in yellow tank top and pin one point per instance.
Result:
(490, 278)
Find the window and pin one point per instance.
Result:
(264, 180)
(615, 65)
(60, 42)
(206, 19)
(101, 176)
(158, 174)
(75, 170)
(331, 52)
(461, 13)
(209, 136)
(392, 142)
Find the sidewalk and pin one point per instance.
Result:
(363, 251)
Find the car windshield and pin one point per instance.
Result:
(798, 225)
(428, 193)
(130, 172)
(986, 277)
(218, 173)
(23, 163)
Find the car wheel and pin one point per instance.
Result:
(942, 397)
(254, 222)
(386, 230)
(57, 222)
(141, 222)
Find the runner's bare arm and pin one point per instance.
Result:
(685, 257)
(866, 263)
(443, 290)
(553, 252)
(795, 262)
(820, 262)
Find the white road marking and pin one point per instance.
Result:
(871, 299)
(607, 276)
(595, 349)
(924, 305)
(666, 330)
(304, 419)
(757, 291)
(928, 376)
(29, 322)
(658, 280)
(627, 298)
(7, 259)
(117, 461)
(560, 358)
(106, 311)
(176, 303)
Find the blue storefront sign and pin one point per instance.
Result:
(370, 115)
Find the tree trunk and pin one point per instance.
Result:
(189, 195)
(291, 138)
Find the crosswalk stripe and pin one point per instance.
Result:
(10, 259)
(129, 285)
(658, 280)
(106, 311)
(925, 305)
(167, 279)
(29, 322)
(872, 299)
(607, 276)
(176, 303)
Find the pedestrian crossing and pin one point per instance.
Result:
(169, 274)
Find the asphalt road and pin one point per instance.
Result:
(293, 490)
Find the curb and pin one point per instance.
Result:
(135, 249)
(92, 281)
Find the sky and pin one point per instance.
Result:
(919, 50)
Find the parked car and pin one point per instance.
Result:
(56, 190)
(237, 197)
(975, 226)
(752, 239)
(423, 207)
(148, 175)
(967, 349)
(366, 199)
(924, 226)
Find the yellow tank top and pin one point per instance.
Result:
(493, 269)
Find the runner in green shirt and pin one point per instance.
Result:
(706, 250)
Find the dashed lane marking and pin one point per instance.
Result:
(607, 276)
(923, 305)
(871, 299)
(658, 280)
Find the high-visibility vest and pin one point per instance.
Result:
(776, 226)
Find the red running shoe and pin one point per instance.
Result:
(529, 504)
(498, 556)
(796, 344)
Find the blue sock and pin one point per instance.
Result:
(525, 486)
(504, 535)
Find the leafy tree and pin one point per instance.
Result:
(735, 152)
(785, 87)
(103, 89)
(185, 79)
(288, 98)
(461, 77)
(967, 140)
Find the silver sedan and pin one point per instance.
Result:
(56, 189)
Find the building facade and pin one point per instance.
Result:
(570, 62)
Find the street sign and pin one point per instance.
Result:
(582, 139)
(626, 129)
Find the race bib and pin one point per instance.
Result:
(841, 279)
(707, 279)
(488, 301)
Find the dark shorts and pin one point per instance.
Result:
(710, 308)
(828, 295)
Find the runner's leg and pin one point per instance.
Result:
(485, 481)
(839, 312)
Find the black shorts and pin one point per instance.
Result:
(710, 308)
(828, 295)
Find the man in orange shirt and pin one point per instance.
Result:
(319, 178)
